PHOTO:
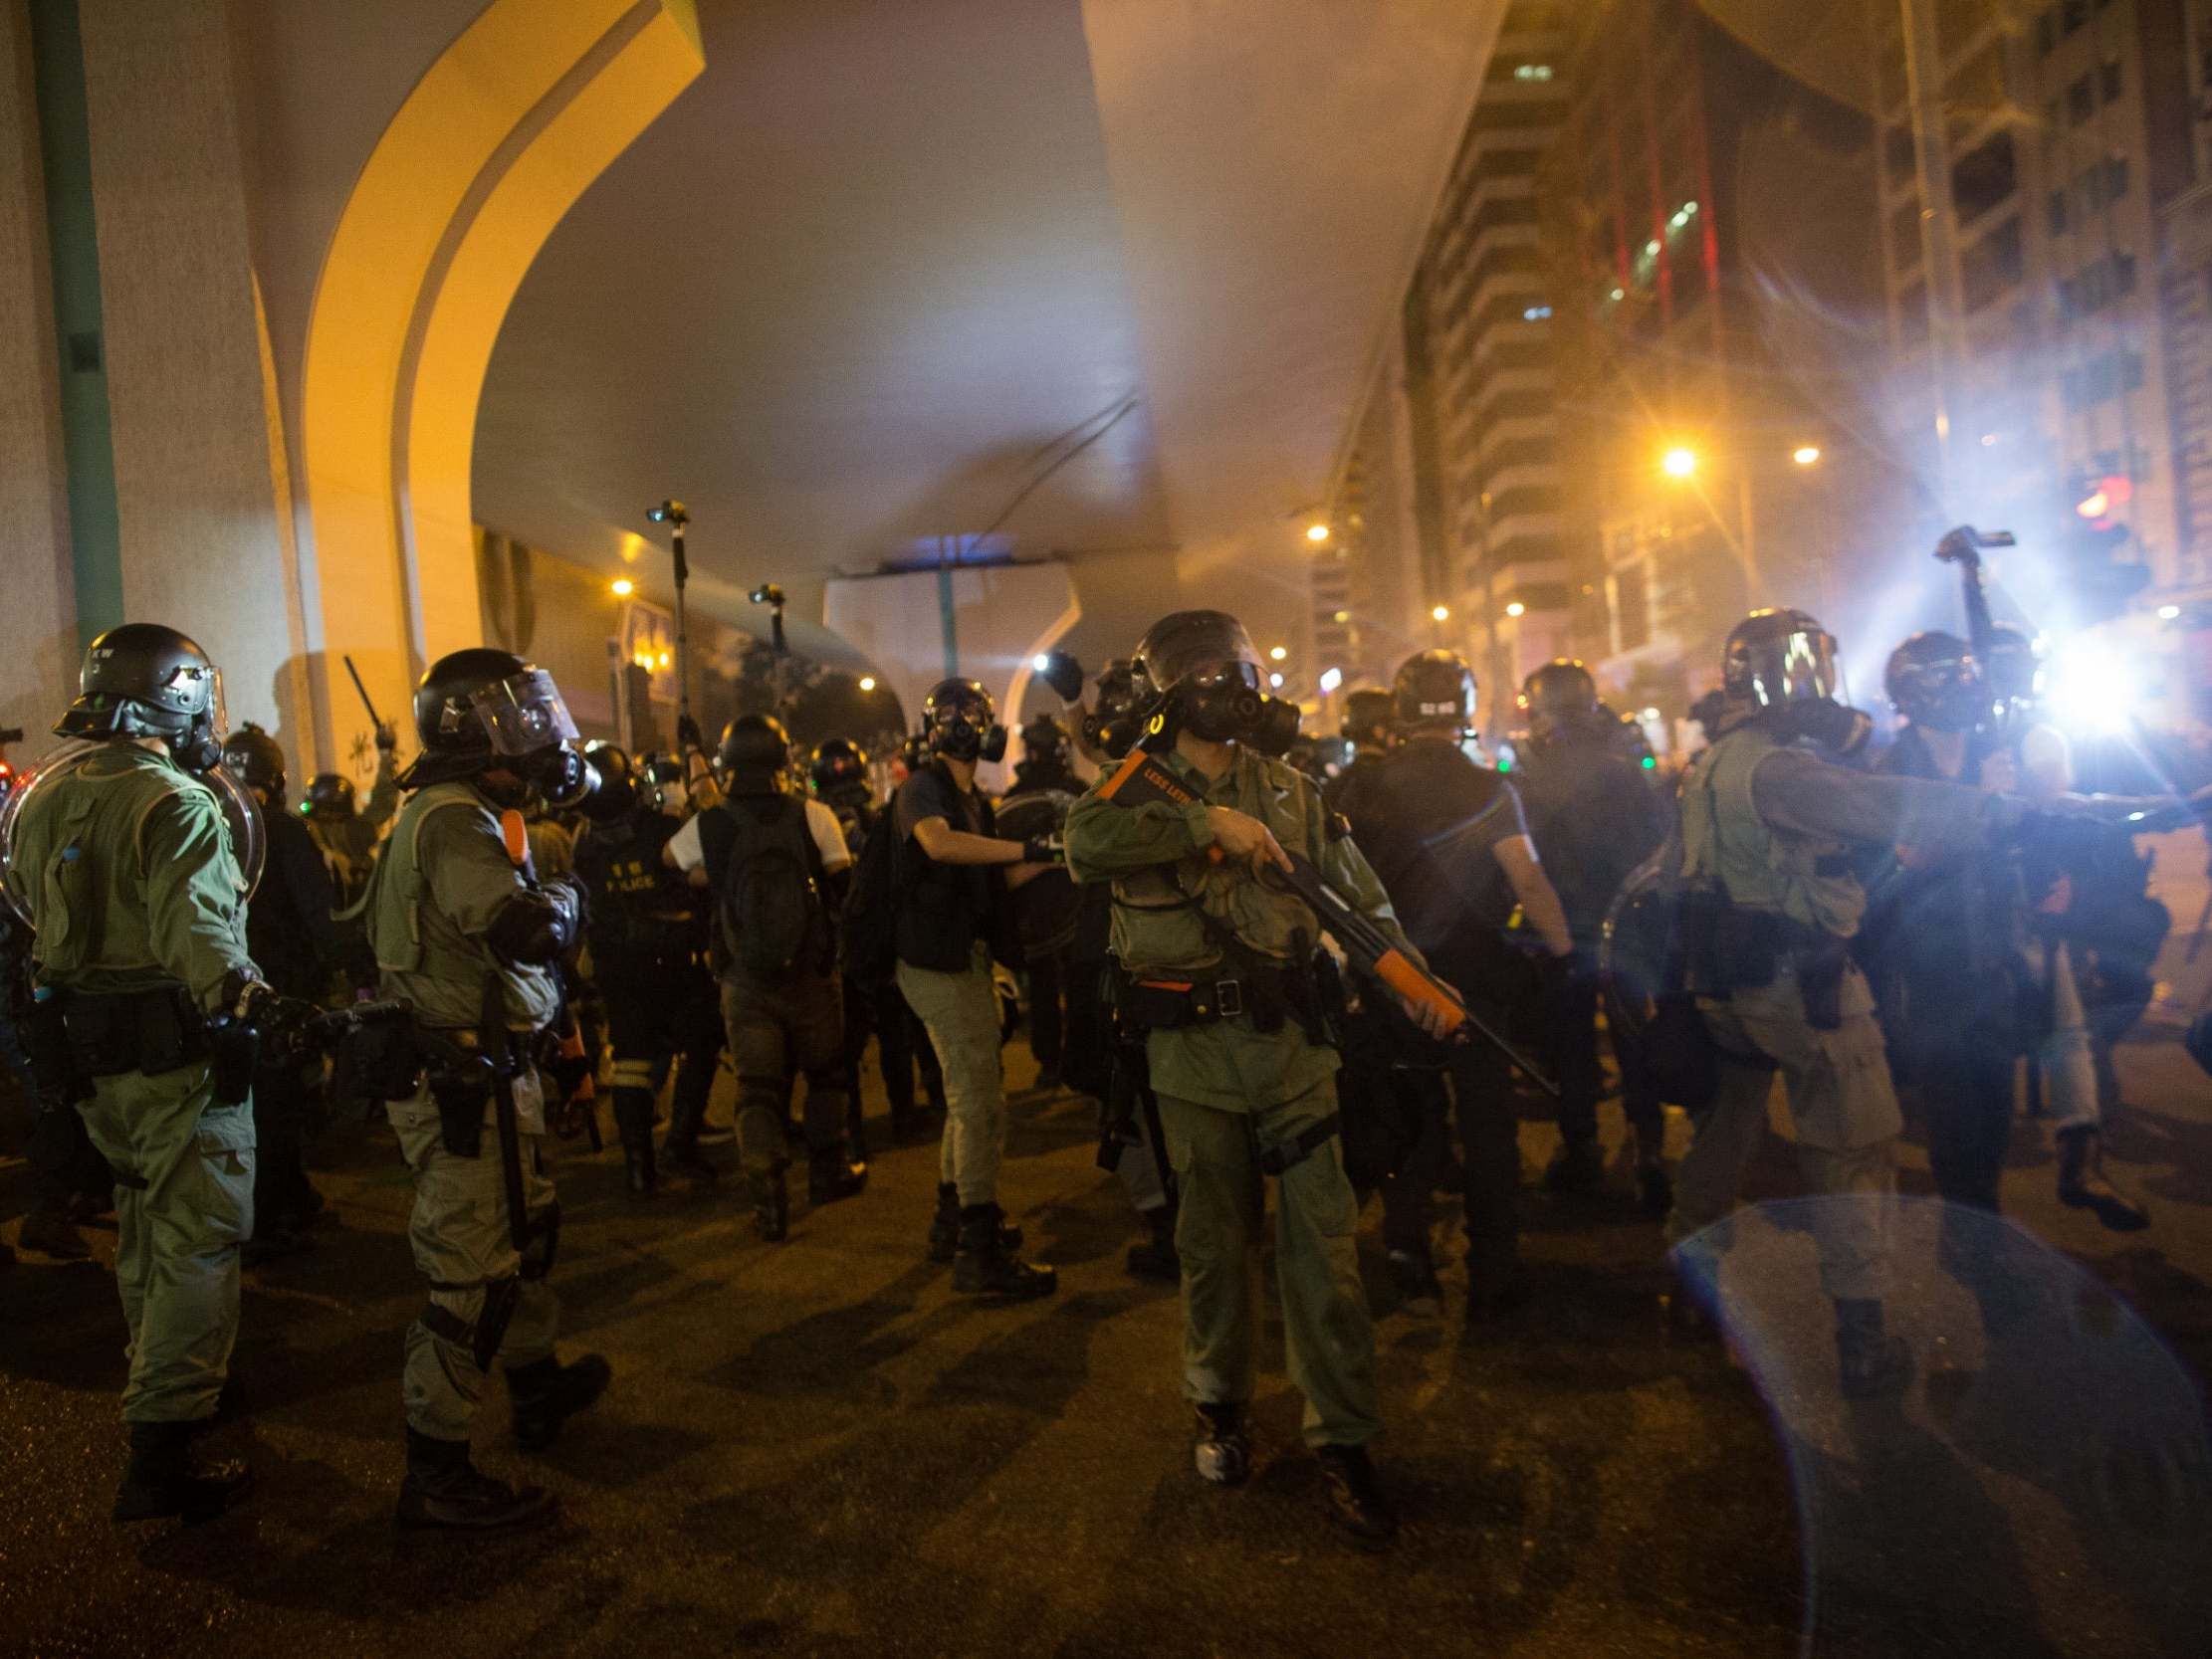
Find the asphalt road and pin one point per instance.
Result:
(816, 1448)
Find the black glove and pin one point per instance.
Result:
(570, 895)
(1065, 675)
(388, 736)
(688, 734)
(1039, 849)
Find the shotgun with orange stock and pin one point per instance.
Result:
(1143, 778)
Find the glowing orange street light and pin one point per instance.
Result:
(1317, 533)
(1278, 653)
(1679, 461)
(867, 681)
(1440, 613)
(622, 587)
(1516, 608)
(1806, 455)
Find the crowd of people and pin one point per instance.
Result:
(1340, 977)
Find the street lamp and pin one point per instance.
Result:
(1806, 455)
(622, 587)
(1440, 613)
(1278, 653)
(1317, 533)
(1679, 461)
(867, 681)
(1516, 608)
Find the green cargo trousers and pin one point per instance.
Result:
(462, 1243)
(1330, 1342)
(184, 1202)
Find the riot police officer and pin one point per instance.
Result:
(292, 938)
(1370, 726)
(1769, 819)
(649, 941)
(345, 832)
(1451, 849)
(1593, 819)
(1241, 1065)
(465, 931)
(838, 772)
(128, 869)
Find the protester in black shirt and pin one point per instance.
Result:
(1447, 838)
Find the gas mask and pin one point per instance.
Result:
(560, 776)
(1827, 724)
(1225, 702)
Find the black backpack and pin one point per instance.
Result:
(769, 888)
(867, 932)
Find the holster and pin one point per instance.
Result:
(234, 1049)
(500, 1298)
(54, 1071)
(1820, 966)
(460, 1100)
(1747, 948)
(377, 1061)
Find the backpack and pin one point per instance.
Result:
(768, 893)
(867, 932)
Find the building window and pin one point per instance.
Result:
(1897, 151)
(1991, 266)
(2111, 79)
(1632, 608)
(1532, 72)
(2104, 376)
(1983, 177)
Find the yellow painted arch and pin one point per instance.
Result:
(496, 143)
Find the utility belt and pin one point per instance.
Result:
(392, 1061)
(1731, 947)
(1268, 995)
(76, 1037)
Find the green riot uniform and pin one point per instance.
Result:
(1245, 1094)
(443, 877)
(349, 845)
(126, 865)
(1768, 824)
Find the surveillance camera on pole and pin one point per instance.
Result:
(672, 514)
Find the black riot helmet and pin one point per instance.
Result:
(330, 797)
(1117, 710)
(960, 721)
(143, 680)
(754, 751)
(618, 791)
(1044, 743)
(482, 709)
(1435, 691)
(1780, 665)
(256, 760)
(1933, 680)
(1370, 717)
(1206, 662)
(2012, 666)
(914, 752)
(839, 764)
(1561, 692)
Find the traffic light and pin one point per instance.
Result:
(2100, 581)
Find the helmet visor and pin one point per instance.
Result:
(1796, 667)
(1233, 675)
(523, 713)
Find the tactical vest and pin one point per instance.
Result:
(422, 954)
(1726, 842)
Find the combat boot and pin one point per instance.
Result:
(548, 1393)
(1655, 1189)
(444, 1489)
(2082, 1184)
(945, 1226)
(1357, 1500)
(1157, 1258)
(1577, 1168)
(1871, 1365)
(167, 1477)
(829, 1177)
(984, 1264)
(51, 1232)
(1222, 1451)
(771, 1204)
(639, 1175)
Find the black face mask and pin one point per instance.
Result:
(960, 740)
(1223, 704)
(561, 777)
(196, 748)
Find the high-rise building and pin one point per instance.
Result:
(1480, 374)
(1710, 218)
(2055, 334)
